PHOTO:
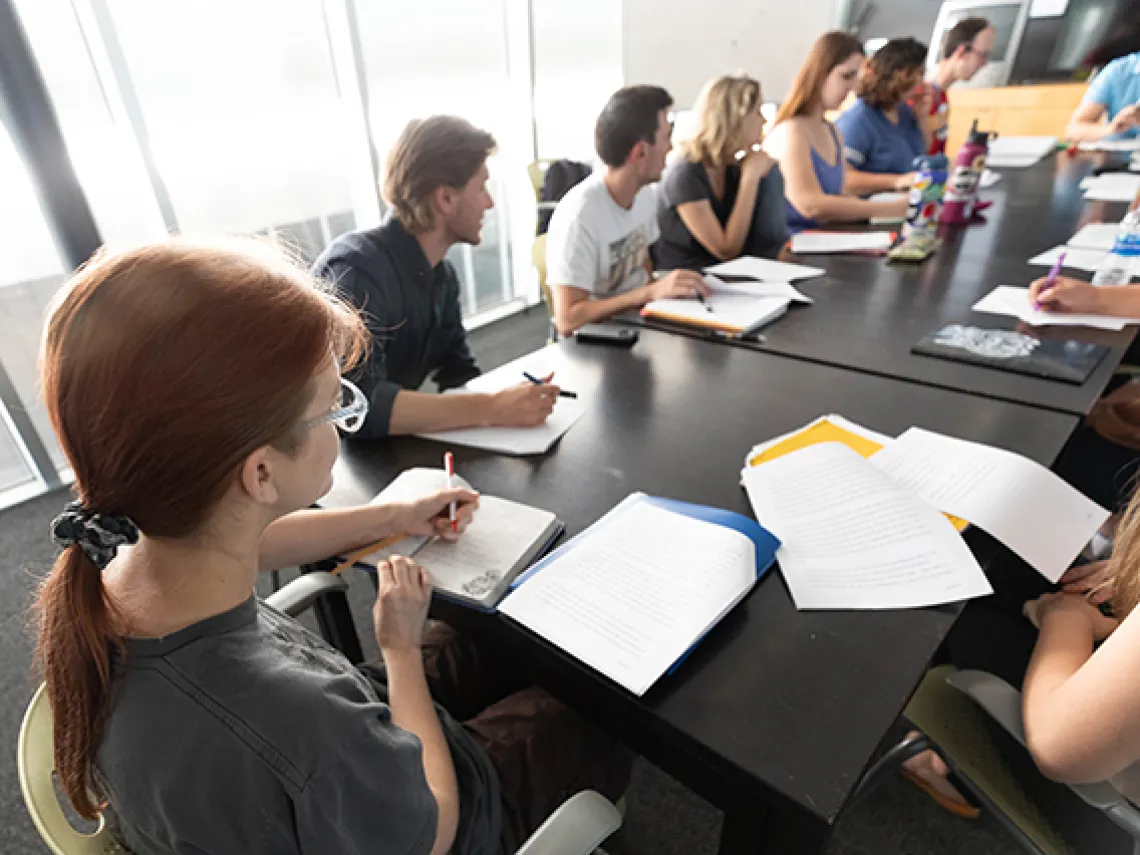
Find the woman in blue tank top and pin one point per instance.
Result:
(810, 149)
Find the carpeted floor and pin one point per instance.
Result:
(663, 818)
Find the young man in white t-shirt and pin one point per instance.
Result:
(597, 248)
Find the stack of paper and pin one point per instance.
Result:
(1099, 236)
(1014, 302)
(1127, 145)
(750, 267)
(515, 440)
(854, 539)
(806, 243)
(1111, 187)
(632, 594)
(852, 508)
(1019, 152)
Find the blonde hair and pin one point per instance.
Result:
(1124, 565)
(431, 153)
(721, 109)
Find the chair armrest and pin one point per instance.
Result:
(1003, 704)
(305, 590)
(578, 827)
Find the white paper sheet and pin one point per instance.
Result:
(1048, 8)
(1098, 236)
(634, 595)
(989, 179)
(1076, 258)
(806, 243)
(854, 539)
(757, 289)
(765, 269)
(1127, 145)
(1112, 187)
(887, 197)
(1019, 502)
(1019, 152)
(518, 441)
(1014, 302)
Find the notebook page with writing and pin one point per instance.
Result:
(632, 597)
(503, 538)
(1014, 302)
(1021, 503)
(854, 539)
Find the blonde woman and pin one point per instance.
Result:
(809, 148)
(724, 197)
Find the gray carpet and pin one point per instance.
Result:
(663, 818)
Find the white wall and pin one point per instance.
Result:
(679, 44)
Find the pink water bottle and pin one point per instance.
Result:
(962, 188)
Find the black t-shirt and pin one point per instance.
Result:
(689, 182)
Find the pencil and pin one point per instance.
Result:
(357, 554)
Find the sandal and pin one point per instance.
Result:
(959, 807)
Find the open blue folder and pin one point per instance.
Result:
(766, 543)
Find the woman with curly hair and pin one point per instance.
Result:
(882, 134)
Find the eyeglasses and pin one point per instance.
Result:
(349, 411)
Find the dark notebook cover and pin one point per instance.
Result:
(1054, 359)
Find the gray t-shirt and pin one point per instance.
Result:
(245, 733)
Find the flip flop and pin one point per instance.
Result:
(961, 809)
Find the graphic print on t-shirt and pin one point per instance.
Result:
(627, 256)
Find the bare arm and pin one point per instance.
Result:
(792, 148)
(856, 183)
(574, 308)
(1086, 125)
(403, 594)
(1082, 713)
(303, 537)
(725, 242)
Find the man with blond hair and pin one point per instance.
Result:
(435, 182)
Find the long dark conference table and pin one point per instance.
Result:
(777, 713)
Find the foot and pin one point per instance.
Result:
(929, 772)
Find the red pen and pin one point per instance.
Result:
(449, 467)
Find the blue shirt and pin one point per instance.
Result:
(1115, 88)
(873, 143)
(829, 176)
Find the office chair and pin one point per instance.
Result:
(578, 827)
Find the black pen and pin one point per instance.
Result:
(562, 393)
(704, 302)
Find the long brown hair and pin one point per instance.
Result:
(1124, 565)
(829, 52)
(721, 108)
(163, 368)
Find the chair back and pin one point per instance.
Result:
(35, 761)
(537, 172)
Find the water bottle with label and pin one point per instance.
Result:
(1123, 261)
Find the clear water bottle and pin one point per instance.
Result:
(1123, 261)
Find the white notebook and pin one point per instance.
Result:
(754, 288)
(637, 590)
(735, 314)
(764, 269)
(502, 540)
(1076, 258)
(806, 243)
(1111, 187)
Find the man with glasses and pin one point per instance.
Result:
(965, 51)
(396, 274)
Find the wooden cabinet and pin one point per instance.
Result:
(1041, 110)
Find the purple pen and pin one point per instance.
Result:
(1051, 278)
